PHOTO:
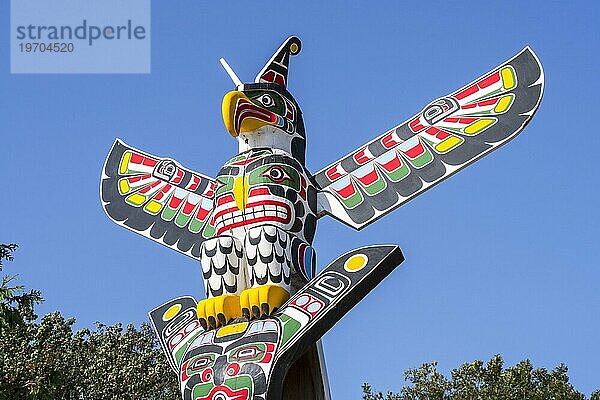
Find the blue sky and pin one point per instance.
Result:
(501, 258)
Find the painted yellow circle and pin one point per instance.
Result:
(356, 263)
(294, 48)
(171, 312)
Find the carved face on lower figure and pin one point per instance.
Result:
(230, 363)
(264, 186)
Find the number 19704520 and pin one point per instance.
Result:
(38, 47)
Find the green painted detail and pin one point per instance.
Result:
(226, 185)
(376, 187)
(235, 383)
(491, 94)
(421, 160)
(245, 156)
(425, 138)
(209, 231)
(202, 390)
(353, 200)
(168, 213)
(262, 152)
(178, 355)
(398, 174)
(182, 219)
(240, 382)
(270, 174)
(131, 171)
(457, 130)
(277, 106)
(482, 113)
(195, 225)
(290, 327)
(236, 159)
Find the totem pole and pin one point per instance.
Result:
(256, 334)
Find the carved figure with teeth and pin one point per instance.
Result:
(264, 219)
(252, 226)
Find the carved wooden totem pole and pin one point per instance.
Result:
(256, 334)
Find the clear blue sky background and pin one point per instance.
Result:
(501, 258)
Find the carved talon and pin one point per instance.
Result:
(218, 311)
(263, 300)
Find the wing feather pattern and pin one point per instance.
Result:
(157, 198)
(448, 135)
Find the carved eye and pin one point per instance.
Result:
(201, 363)
(248, 353)
(266, 100)
(277, 174)
(165, 169)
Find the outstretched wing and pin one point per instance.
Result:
(157, 198)
(449, 134)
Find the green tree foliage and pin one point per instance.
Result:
(481, 381)
(6, 251)
(47, 359)
(16, 306)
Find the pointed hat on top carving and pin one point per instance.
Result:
(276, 69)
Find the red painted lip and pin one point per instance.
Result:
(239, 394)
(248, 213)
(246, 109)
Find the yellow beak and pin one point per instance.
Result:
(241, 115)
(240, 192)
